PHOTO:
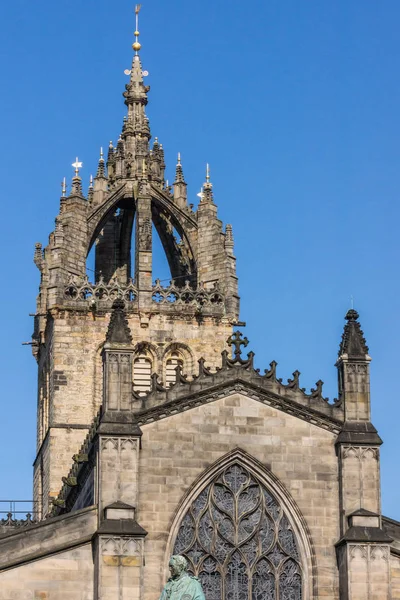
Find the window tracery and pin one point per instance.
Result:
(239, 542)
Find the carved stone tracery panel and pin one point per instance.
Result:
(239, 542)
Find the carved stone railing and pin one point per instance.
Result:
(81, 291)
(188, 296)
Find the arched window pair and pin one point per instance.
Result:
(239, 541)
(144, 365)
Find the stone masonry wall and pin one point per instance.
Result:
(177, 449)
(77, 377)
(67, 575)
(395, 576)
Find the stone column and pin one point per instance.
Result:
(143, 246)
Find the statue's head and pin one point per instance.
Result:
(177, 564)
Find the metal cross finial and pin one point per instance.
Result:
(78, 165)
(237, 341)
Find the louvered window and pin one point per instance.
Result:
(170, 370)
(142, 368)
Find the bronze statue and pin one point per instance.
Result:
(181, 585)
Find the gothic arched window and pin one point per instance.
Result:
(173, 361)
(239, 541)
(142, 369)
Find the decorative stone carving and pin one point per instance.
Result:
(361, 452)
(187, 295)
(358, 551)
(117, 444)
(120, 546)
(80, 290)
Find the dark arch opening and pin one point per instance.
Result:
(112, 247)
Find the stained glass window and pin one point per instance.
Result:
(239, 542)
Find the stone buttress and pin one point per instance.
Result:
(364, 547)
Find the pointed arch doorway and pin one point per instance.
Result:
(239, 541)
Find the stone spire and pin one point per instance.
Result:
(353, 342)
(180, 187)
(118, 329)
(101, 171)
(179, 178)
(207, 195)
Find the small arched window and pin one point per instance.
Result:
(173, 361)
(142, 368)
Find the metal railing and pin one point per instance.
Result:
(18, 510)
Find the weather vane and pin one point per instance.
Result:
(77, 165)
(136, 45)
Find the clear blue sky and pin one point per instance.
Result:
(295, 105)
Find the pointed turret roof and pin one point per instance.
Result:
(118, 329)
(353, 342)
(207, 194)
(101, 166)
(179, 177)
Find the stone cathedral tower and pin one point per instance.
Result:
(157, 436)
(171, 326)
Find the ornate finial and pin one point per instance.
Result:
(207, 195)
(77, 165)
(237, 341)
(352, 315)
(179, 178)
(353, 342)
(100, 169)
(136, 45)
(110, 145)
(91, 182)
(64, 188)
